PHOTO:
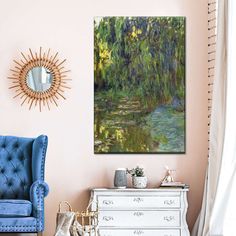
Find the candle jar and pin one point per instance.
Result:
(120, 178)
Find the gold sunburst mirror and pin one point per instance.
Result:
(39, 79)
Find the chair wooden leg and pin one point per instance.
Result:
(40, 234)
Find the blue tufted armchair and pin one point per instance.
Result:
(22, 186)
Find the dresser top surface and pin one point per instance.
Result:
(140, 190)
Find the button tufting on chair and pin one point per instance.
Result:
(22, 158)
(9, 183)
(21, 167)
(15, 170)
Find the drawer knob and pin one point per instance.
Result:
(108, 218)
(108, 202)
(138, 213)
(169, 218)
(138, 199)
(169, 202)
(138, 232)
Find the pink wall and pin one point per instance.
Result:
(67, 26)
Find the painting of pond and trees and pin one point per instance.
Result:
(139, 84)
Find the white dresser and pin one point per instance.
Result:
(141, 212)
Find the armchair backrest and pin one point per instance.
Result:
(21, 163)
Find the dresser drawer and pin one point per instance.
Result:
(128, 202)
(139, 218)
(139, 232)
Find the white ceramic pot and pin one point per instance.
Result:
(139, 182)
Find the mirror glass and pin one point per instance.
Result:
(39, 79)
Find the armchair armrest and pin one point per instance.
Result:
(38, 191)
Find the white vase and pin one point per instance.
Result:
(139, 182)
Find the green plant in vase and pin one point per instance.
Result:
(139, 180)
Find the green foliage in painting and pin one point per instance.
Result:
(143, 56)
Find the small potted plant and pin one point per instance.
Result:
(139, 180)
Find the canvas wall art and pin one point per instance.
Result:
(139, 85)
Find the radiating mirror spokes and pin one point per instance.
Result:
(39, 79)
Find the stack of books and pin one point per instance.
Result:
(174, 185)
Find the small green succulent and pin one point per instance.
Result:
(137, 171)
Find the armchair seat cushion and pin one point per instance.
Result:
(15, 208)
